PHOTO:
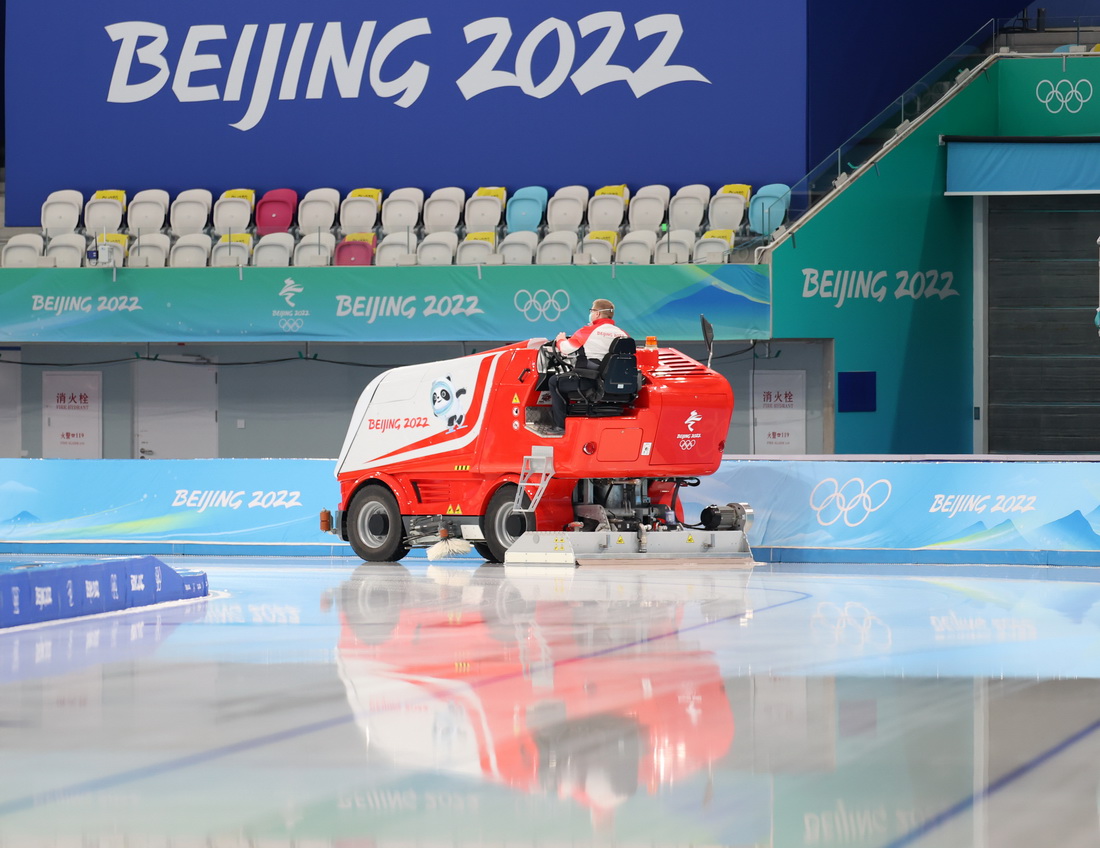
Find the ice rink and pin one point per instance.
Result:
(323, 702)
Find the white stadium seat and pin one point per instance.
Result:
(61, 212)
(190, 211)
(190, 251)
(395, 249)
(443, 209)
(274, 250)
(556, 248)
(437, 248)
(518, 248)
(315, 249)
(149, 250)
(22, 251)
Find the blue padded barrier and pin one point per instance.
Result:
(31, 593)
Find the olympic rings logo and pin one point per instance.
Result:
(541, 304)
(687, 444)
(291, 325)
(853, 501)
(1071, 96)
(853, 624)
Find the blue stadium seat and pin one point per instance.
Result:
(768, 208)
(525, 210)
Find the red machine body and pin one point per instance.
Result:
(444, 437)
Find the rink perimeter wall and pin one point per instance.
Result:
(896, 509)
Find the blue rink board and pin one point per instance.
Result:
(34, 592)
(828, 509)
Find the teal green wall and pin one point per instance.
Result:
(895, 219)
(1025, 83)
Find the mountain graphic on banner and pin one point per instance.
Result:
(23, 517)
(1093, 518)
(979, 536)
(1071, 533)
(714, 300)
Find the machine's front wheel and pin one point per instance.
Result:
(502, 524)
(374, 526)
(484, 551)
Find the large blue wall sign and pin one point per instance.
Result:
(427, 93)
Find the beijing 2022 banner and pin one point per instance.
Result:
(920, 511)
(377, 304)
(805, 510)
(132, 95)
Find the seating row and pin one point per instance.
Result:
(530, 209)
(196, 250)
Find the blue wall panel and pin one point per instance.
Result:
(862, 56)
(427, 93)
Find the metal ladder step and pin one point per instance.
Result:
(536, 472)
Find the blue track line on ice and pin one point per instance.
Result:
(994, 787)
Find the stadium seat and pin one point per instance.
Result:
(359, 211)
(231, 250)
(712, 248)
(104, 210)
(600, 246)
(66, 250)
(648, 207)
(315, 249)
(636, 248)
(233, 211)
(61, 212)
(22, 251)
(147, 211)
(149, 250)
(687, 207)
(401, 210)
(113, 248)
(355, 249)
(526, 209)
(484, 209)
(476, 248)
(273, 250)
(565, 210)
(190, 251)
(607, 207)
(317, 211)
(518, 248)
(443, 209)
(395, 247)
(674, 247)
(768, 208)
(557, 248)
(190, 211)
(727, 207)
(275, 211)
(437, 248)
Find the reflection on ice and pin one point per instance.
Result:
(572, 686)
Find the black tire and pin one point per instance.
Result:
(385, 542)
(484, 551)
(499, 537)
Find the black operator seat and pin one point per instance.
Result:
(613, 386)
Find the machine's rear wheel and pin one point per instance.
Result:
(374, 526)
(502, 525)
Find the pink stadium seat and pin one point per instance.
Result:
(354, 252)
(275, 211)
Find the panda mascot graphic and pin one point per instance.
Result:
(449, 403)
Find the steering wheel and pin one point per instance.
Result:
(556, 361)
